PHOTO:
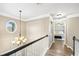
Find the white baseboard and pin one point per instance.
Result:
(45, 52)
(69, 46)
(51, 44)
(47, 49)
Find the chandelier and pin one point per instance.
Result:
(19, 39)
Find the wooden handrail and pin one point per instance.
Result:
(74, 45)
(22, 47)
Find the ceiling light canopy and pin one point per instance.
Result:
(59, 15)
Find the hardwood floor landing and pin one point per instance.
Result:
(58, 49)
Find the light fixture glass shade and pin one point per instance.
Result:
(19, 40)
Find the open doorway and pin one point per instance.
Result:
(59, 30)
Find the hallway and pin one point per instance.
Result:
(33, 27)
(58, 49)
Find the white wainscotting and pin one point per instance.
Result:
(76, 48)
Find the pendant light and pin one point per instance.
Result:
(20, 39)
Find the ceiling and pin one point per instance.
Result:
(31, 10)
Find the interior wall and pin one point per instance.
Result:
(31, 30)
(36, 29)
(6, 38)
(51, 34)
(72, 30)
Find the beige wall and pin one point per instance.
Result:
(72, 30)
(36, 29)
(6, 38)
(32, 30)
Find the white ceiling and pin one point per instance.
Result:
(30, 10)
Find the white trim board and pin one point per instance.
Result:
(30, 19)
(45, 52)
(69, 46)
(38, 17)
(47, 49)
(10, 16)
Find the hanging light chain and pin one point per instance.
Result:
(21, 39)
(20, 23)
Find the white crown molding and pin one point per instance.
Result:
(7, 15)
(30, 19)
(73, 15)
(38, 17)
